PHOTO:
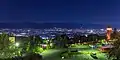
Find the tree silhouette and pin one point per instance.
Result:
(7, 48)
(4, 40)
(61, 40)
(37, 40)
(76, 38)
(32, 56)
(114, 52)
(33, 42)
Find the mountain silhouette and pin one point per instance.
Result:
(49, 25)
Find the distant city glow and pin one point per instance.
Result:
(91, 31)
(102, 29)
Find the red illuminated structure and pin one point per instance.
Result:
(106, 48)
(109, 31)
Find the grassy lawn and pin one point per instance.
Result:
(54, 54)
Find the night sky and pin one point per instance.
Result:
(63, 11)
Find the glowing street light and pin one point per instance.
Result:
(63, 57)
(17, 44)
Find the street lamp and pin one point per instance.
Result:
(17, 44)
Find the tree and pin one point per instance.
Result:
(64, 39)
(61, 40)
(33, 56)
(38, 50)
(7, 48)
(4, 40)
(77, 38)
(37, 40)
(32, 43)
(25, 45)
(92, 37)
(115, 35)
(114, 52)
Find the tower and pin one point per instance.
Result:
(109, 31)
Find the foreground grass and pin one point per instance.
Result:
(54, 54)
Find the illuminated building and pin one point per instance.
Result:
(106, 48)
(109, 31)
(12, 39)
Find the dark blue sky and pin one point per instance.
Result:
(78, 11)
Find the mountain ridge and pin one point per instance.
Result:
(50, 25)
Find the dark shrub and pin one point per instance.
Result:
(33, 56)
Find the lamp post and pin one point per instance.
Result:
(17, 44)
(17, 47)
